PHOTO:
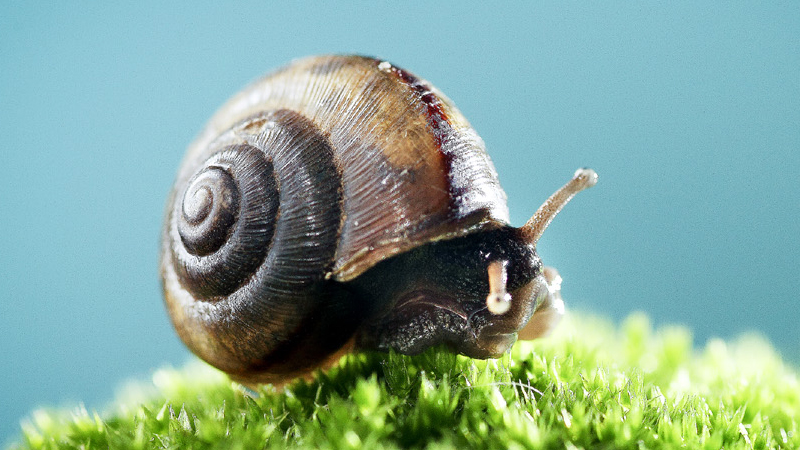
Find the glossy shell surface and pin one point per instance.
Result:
(413, 170)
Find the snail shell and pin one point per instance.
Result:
(299, 185)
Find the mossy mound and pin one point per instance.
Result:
(592, 385)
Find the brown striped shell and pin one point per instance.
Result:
(413, 169)
(298, 185)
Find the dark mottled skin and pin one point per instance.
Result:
(436, 294)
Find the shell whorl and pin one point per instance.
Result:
(225, 221)
(251, 235)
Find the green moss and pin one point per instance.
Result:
(589, 386)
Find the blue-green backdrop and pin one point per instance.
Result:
(689, 112)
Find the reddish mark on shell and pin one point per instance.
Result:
(437, 118)
(440, 125)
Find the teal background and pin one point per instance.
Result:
(690, 113)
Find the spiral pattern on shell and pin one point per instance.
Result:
(225, 221)
(259, 220)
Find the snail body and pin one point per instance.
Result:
(341, 203)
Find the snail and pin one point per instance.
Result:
(342, 203)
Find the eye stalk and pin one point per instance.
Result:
(499, 300)
(533, 229)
